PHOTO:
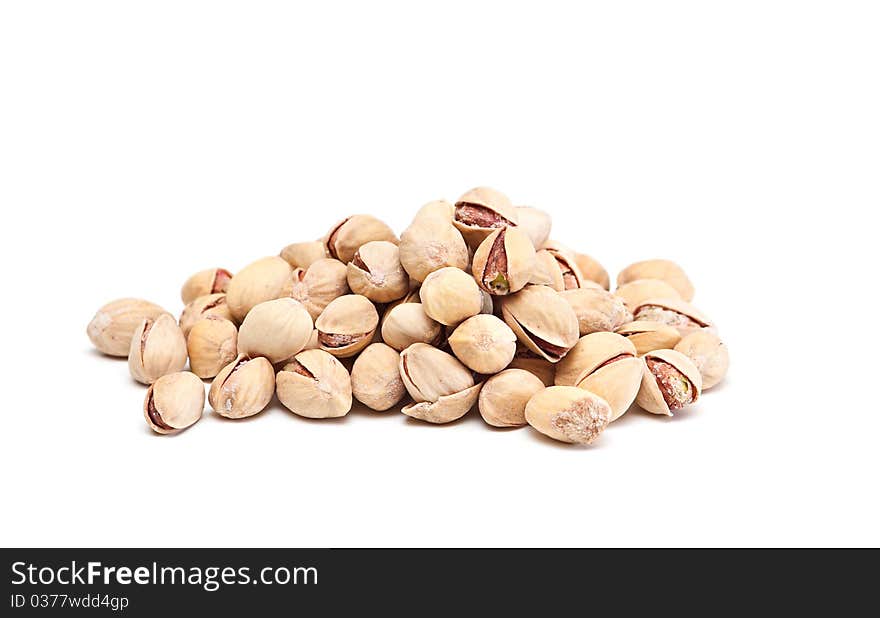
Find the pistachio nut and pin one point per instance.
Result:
(375, 377)
(314, 385)
(504, 262)
(666, 270)
(709, 355)
(313, 343)
(481, 210)
(277, 329)
(174, 402)
(407, 323)
(375, 272)
(450, 296)
(346, 237)
(243, 388)
(429, 374)
(438, 208)
(484, 343)
(596, 309)
(266, 279)
(114, 324)
(304, 254)
(547, 272)
(572, 277)
(316, 287)
(202, 307)
(638, 291)
(568, 414)
(592, 270)
(504, 396)
(157, 348)
(211, 345)
(673, 312)
(649, 336)
(670, 381)
(535, 223)
(537, 365)
(429, 244)
(347, 325)
(542, 320)
(447, 408)
(210, 281)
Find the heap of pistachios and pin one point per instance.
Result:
(473, 306)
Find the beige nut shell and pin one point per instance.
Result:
(547, 272)
(535, 223)
(709, 355)
(177, 399)
(429, 374)
(113, 326)
(650, 398)
(504, 396)
(407, 323)
(202, 307)
(375, 377)
(590, 352)
(277, 329)
(326, 394)
(346, 237)
(596, 309)
(304, 254)
(384, 279)
(157, 348)
(484, 343)
(667, 270)
(208, 281)
(539, 313)
(450, 296)
(678, 306)
(493, 202)
(617, 383)
(519, 261)
(266, 279)
(322, 283)
(568, 414)
(447, 408)
(566, 261)
(538, 366)
(349, 315)
(429, 244)
(211, 345)
(636, 292)
(592, 270)
(243, 388)
(648, 336)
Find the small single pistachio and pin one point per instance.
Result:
(347, 325)
(592, 270)
(277, 329)
(346, 237)
(504, 396)
(266, 279)
(429, 373)
(648, 336)
(201, 308)
(484, 343)
(537, 365)
(429, 244)
(670, 381)
(174, 402)
(314, 385)
(542, 320)
(375, 272)
(304, 254)
(243, 388)
(450, 296)
(666, 270)
(596, 309)
(157, 348)
(114, 324)
(673, 312)
(480, 211)
(447, 408)
(568, 414)
(407, 323)
(708, 353)
(638, 291)
(210, 281)
(547, 272)
(375, 377)
(504, 262)
(535, 223)
(566, 261)
(316, 287)
(211, 345)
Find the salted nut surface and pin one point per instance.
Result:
(475, 306)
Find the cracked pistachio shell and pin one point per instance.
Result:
(709, 355)
(636, 292)
(375, 272)
(174, 402)
(210, 281)
(649, 336)
(547, 271)
(277, 329)
(323, 282)
(566, 261)
(211, 344)
(243, 388)
(542, 320)
(347, 325)
(202, 307)
(504, 262)
(375, 377)
(673, 312)
(114, 324)
(447, 408)
(429, 373)
(314, 385)
(304, 254)
(438, 208)
(504, 396)
(592, 270)
(429, 244)
(535, 223)
(407, 323)
(590, 353)
(481, 210)
(568, 414)
(266, 279)
(484, 343)
(681, 379)
(538, 366)
(346, 237)
(157, 348)
(450, 296)
(596, 309)
(666, 270)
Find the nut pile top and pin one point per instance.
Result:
(473, 306)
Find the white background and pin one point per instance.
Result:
(140, 142)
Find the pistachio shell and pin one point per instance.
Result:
(591, 352)
(315, 385)
(114, 324)
(481, 210)
(709, 355)
(547, 272)
(346, 237)
(636, 292)
(211, 344)
(542, 320)
(450, 296)
(322, 283)
(667, 270)
(617, 383)
(504, 262)
(648, 336)
(276, 329)
(504, 396)
(266, 279)
(209, 281)
(596, 309)
(347, 325)
(447, 408)
(201, 308)
(650, 397)
(568, 414)
(592, 270)
(375, 272)
(304, 254)
(429, 244)
(483, 343)
(566, 260)
(535, 223)
(243, 388)
(157, 348)
(406, 324)
(538, 366)
(375, 377)
(438, 208)
(429, 373)
(174, 402)
(673, 312)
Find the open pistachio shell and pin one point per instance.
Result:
(504, 262)
(375, 272)
(243, 388)
(349, 235)
(591, 352)
(568, 414)
(667, 270)
(429, 373)
(708, 353)
(537, 365)
(648, 336)
(157, 348)
(174, 402)
(114, 324)
(676, 379)
(596, 309)
(547, 272)
(265, 279)
(636, 292)
(209, 281)
(618, 383)
(447, 408)
(347, 325)
(480, 211)
(673, 312)
(314, 385)
(535, 223)
(304, 254)
(542, 320)
(407, 323)
(566, 260)
(592, 270)
(202, 307)
(211, 344)
(322, 283)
